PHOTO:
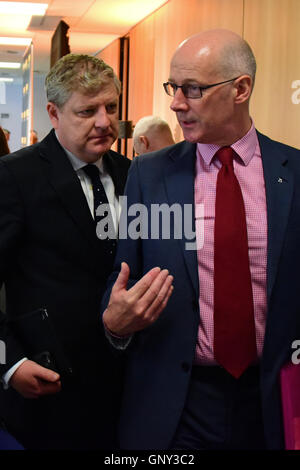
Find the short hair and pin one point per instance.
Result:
(147, 124)
(78, 72)
(237, 59)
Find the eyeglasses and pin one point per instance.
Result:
(189, 90)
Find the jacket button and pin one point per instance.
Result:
(185, 366)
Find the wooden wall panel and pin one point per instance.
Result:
(141, 69)
(270, 26)
(111, 55)
(272, 30)
(141, 72)
(176, 21)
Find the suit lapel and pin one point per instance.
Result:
(279, 190)
(179, 180)
(65, 182)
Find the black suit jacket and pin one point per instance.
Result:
(160, 358)
(51, 258)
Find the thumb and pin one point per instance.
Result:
(46, 374)
(122, 279)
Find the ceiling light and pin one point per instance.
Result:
(16, 16)
(15, 41)
(22, 8)
(10, 65)
(14, 24)
(4, 79)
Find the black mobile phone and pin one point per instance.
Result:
(45, 359)
(38, 337)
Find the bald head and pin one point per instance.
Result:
(211, 80)
(151, 133)
(224, 53)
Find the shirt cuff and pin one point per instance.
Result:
(118, 342)
(7, 376)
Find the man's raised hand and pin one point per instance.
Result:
(134, 309)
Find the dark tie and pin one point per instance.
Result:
(234, 328)
(100, 198)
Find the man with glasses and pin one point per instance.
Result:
(210, 325)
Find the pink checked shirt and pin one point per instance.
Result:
(249, 172)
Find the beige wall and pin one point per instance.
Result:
(111, 55)
(272, 29)
(174, 22)
(270, 26)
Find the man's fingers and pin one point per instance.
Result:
(32, 380)
(133, 309)
(39, 388)
(161, 299)
(147, 286)
(141, 287)
(157, 288)
(144, 284)
(122, 279)
(45, 374)
(163, 303)
(48, 388)
(45, 382)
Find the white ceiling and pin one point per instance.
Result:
(93, 25)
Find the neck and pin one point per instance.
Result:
(236, 131)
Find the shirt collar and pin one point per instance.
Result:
(78, 164)
(244, 147)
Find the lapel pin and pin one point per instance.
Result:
(280, 180)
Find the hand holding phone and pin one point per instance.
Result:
(32, 380)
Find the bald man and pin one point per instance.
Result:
(210, 324)
(151, 133)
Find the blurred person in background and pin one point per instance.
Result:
(33, 137)
(151, 133)
(4, 149)
(7, 134)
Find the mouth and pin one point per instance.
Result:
(99, 137)
(187, 124)
(185, 121)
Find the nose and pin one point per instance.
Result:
(179, 102)
(102, 118)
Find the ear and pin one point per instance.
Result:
(53, 113)
(243, 88)
(144, 142)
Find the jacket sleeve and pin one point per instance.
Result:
(129, 248)
(11, 230)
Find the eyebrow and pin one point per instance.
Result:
(187, 81)
(84, 107)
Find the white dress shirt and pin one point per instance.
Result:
(106, 180)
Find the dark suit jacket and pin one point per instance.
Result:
(51, 258)
(160, 358)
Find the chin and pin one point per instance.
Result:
(100, 150)
(192, 138)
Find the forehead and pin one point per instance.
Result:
(105, 94)
(193, 64)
